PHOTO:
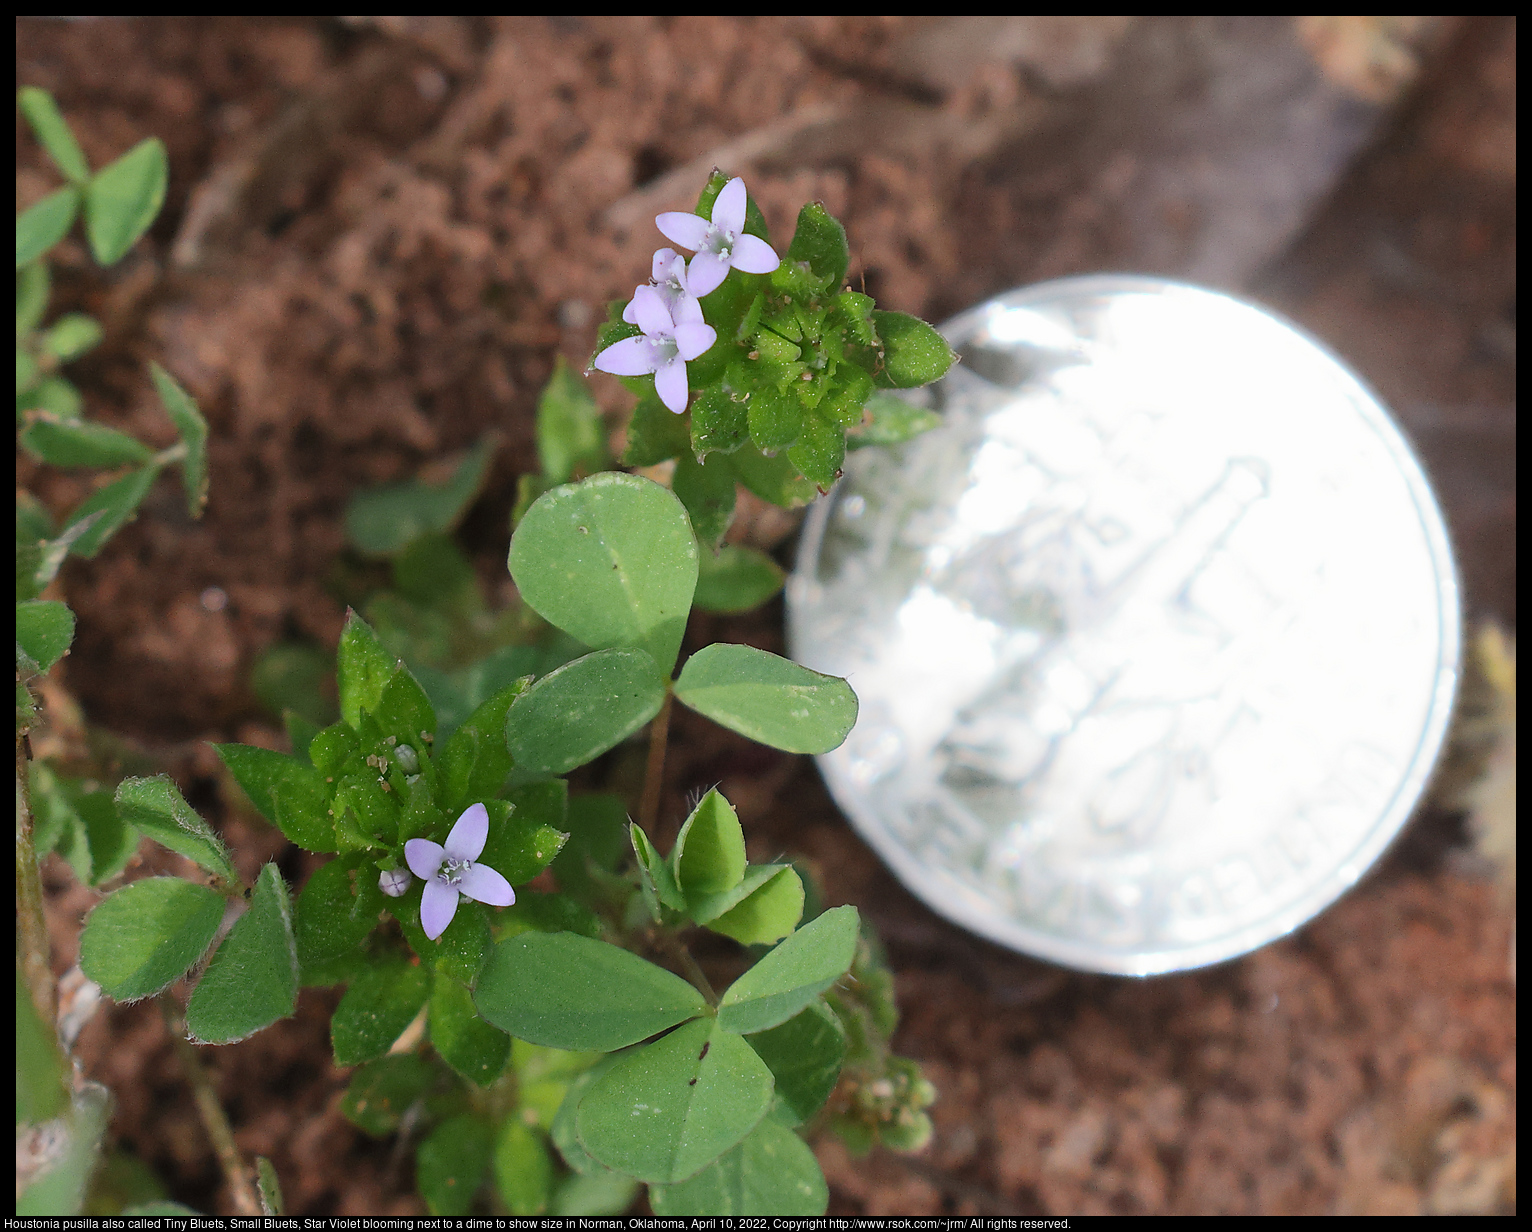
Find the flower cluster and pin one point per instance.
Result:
(666, 310)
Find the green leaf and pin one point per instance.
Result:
(71, 336)
(523, 1168)
(77, 443)
(893, 421)
(296, 676)
(376, 1009)
(287, 791)
(44, 629)
(382, 1091)
(707, 490)
(474, 1048)
(668, 1110)
(387, 520)
(571, 440)
(147, 935)
(772, 1172)
(117, 503)
(804, 1055)
(768, 698)
(157, 807)
(776, 419)
(332, 918)
(38, 564)
(578, 712)
(526, 832)
(847, 396)
(55, 395)
(451, 1163)
(300, 733)
(772, 479)
(793, 974)
(611, 561)
(562, 1128)
(736, 579)
(720, 421)
(80, 822)
(253, 978)
(363, 669)
(709, 854)
(42, 1074)
(765, 915)
(268, 1186)
(571, 992)
(122, 199)
(32, 289)
(654, 434)
(61, 1189)
(332, 747)
(460, 952)
(43, 225)
(821, 241)
(820, 450)
(52, 131)
(192, 429)
(547, 913)
(405, 715)
(657, 882)
(475, 763)
(913, 353)
(594, 1195)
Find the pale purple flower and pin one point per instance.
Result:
(669, 279)
(720, 243)
(450, 870)
(395, 882)
(663, 349)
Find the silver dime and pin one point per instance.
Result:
(1156, 637)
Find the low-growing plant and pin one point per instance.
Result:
(508, 1026)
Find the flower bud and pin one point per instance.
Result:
(394, 881)
(407, 758)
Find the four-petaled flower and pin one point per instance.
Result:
(669, 279)
(663, 349)
(720, 243)
(450, 870)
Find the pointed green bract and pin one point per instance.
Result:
(111, 507)
(147, 935)
(376, 1009)
(709, 855)
(570, 436)
(611, 561)
(523, 1168)
(44, 224)
(578, 712)
(793, 974)
(736, 579)
(804, 1055)
(768, 913)
(192, 429)
(44, 629)
(332, 917)
(567, 991)
(363, 669)
(821, 241)
(287, 791)
(707, 491)
(474, 1048)
(768, 698)
(122, 199)
(669, 1109)
(157, 808)
(772, 1172)
(451, 1163)
(657, 883)
(253, 978)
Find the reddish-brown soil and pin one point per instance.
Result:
(381, 232)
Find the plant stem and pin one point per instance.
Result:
(31, 925)
(220, 1133)
(678, 953)
(654, 769)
